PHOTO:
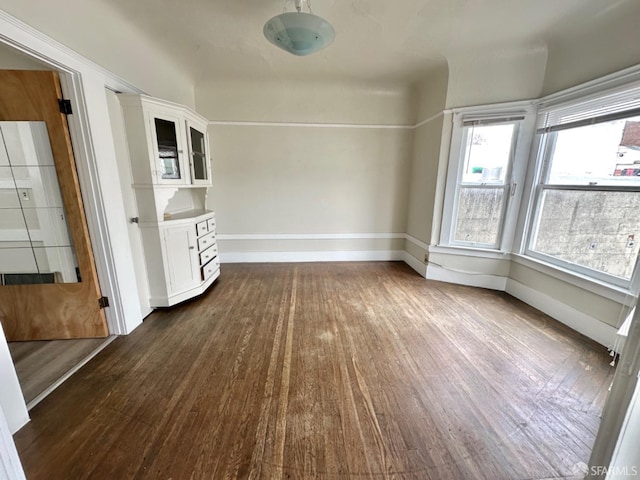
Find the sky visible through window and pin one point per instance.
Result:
(601, 154)
(487, 153)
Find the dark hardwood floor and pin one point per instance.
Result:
(328, 371)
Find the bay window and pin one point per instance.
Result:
(560, 186)
(586, 210)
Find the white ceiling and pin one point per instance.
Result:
(375, 39)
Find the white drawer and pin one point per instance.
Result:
(202, 228)
(210, 268)
(211, 224)
(206, 241)
(208, 254)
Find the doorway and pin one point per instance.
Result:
(43, 365)
(48, 281)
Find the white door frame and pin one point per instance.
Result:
(10, 466)
(615, 411)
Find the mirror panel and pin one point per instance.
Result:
(17, 257)
(26, 143)
(37, 186)
(41, 226)
(35, 243)
(8, 191)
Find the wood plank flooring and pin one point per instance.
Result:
(328, 371)
(41, 364)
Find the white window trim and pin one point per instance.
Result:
(539, 165)
(515, 181)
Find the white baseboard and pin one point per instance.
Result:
(579, 321)
(414, 263)
(492, 282)
(315, 256)
(416, 242)
(310, 236)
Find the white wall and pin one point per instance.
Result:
(431, 95)
(607, 43)
(308, 161)
(306, 102)
(97, 31)
(482, 78)
(606, 310)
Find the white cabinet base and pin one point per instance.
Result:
(186, 295)
(181, 255)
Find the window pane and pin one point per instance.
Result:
(598, 230)
(479, 215)
(487, 153)
(603, 154)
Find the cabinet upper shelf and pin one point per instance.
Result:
(169, 153)
(168, 143)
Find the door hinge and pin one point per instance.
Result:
(65, 106)
(103, 302)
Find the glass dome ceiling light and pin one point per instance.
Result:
(297, 32)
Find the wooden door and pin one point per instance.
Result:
(54, 310)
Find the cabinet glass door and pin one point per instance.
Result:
(168, 151)
(199, 166)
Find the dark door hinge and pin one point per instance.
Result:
(65, 106)
(103, 302)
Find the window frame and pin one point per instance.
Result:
(523, 116)
(541, 158)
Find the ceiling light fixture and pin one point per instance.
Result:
(298, 32)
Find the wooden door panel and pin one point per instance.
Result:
(62, 310)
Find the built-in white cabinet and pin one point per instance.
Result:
(182, 257)
(171, 137)
(171, 169)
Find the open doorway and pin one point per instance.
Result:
(38, 255)
(43, 365)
